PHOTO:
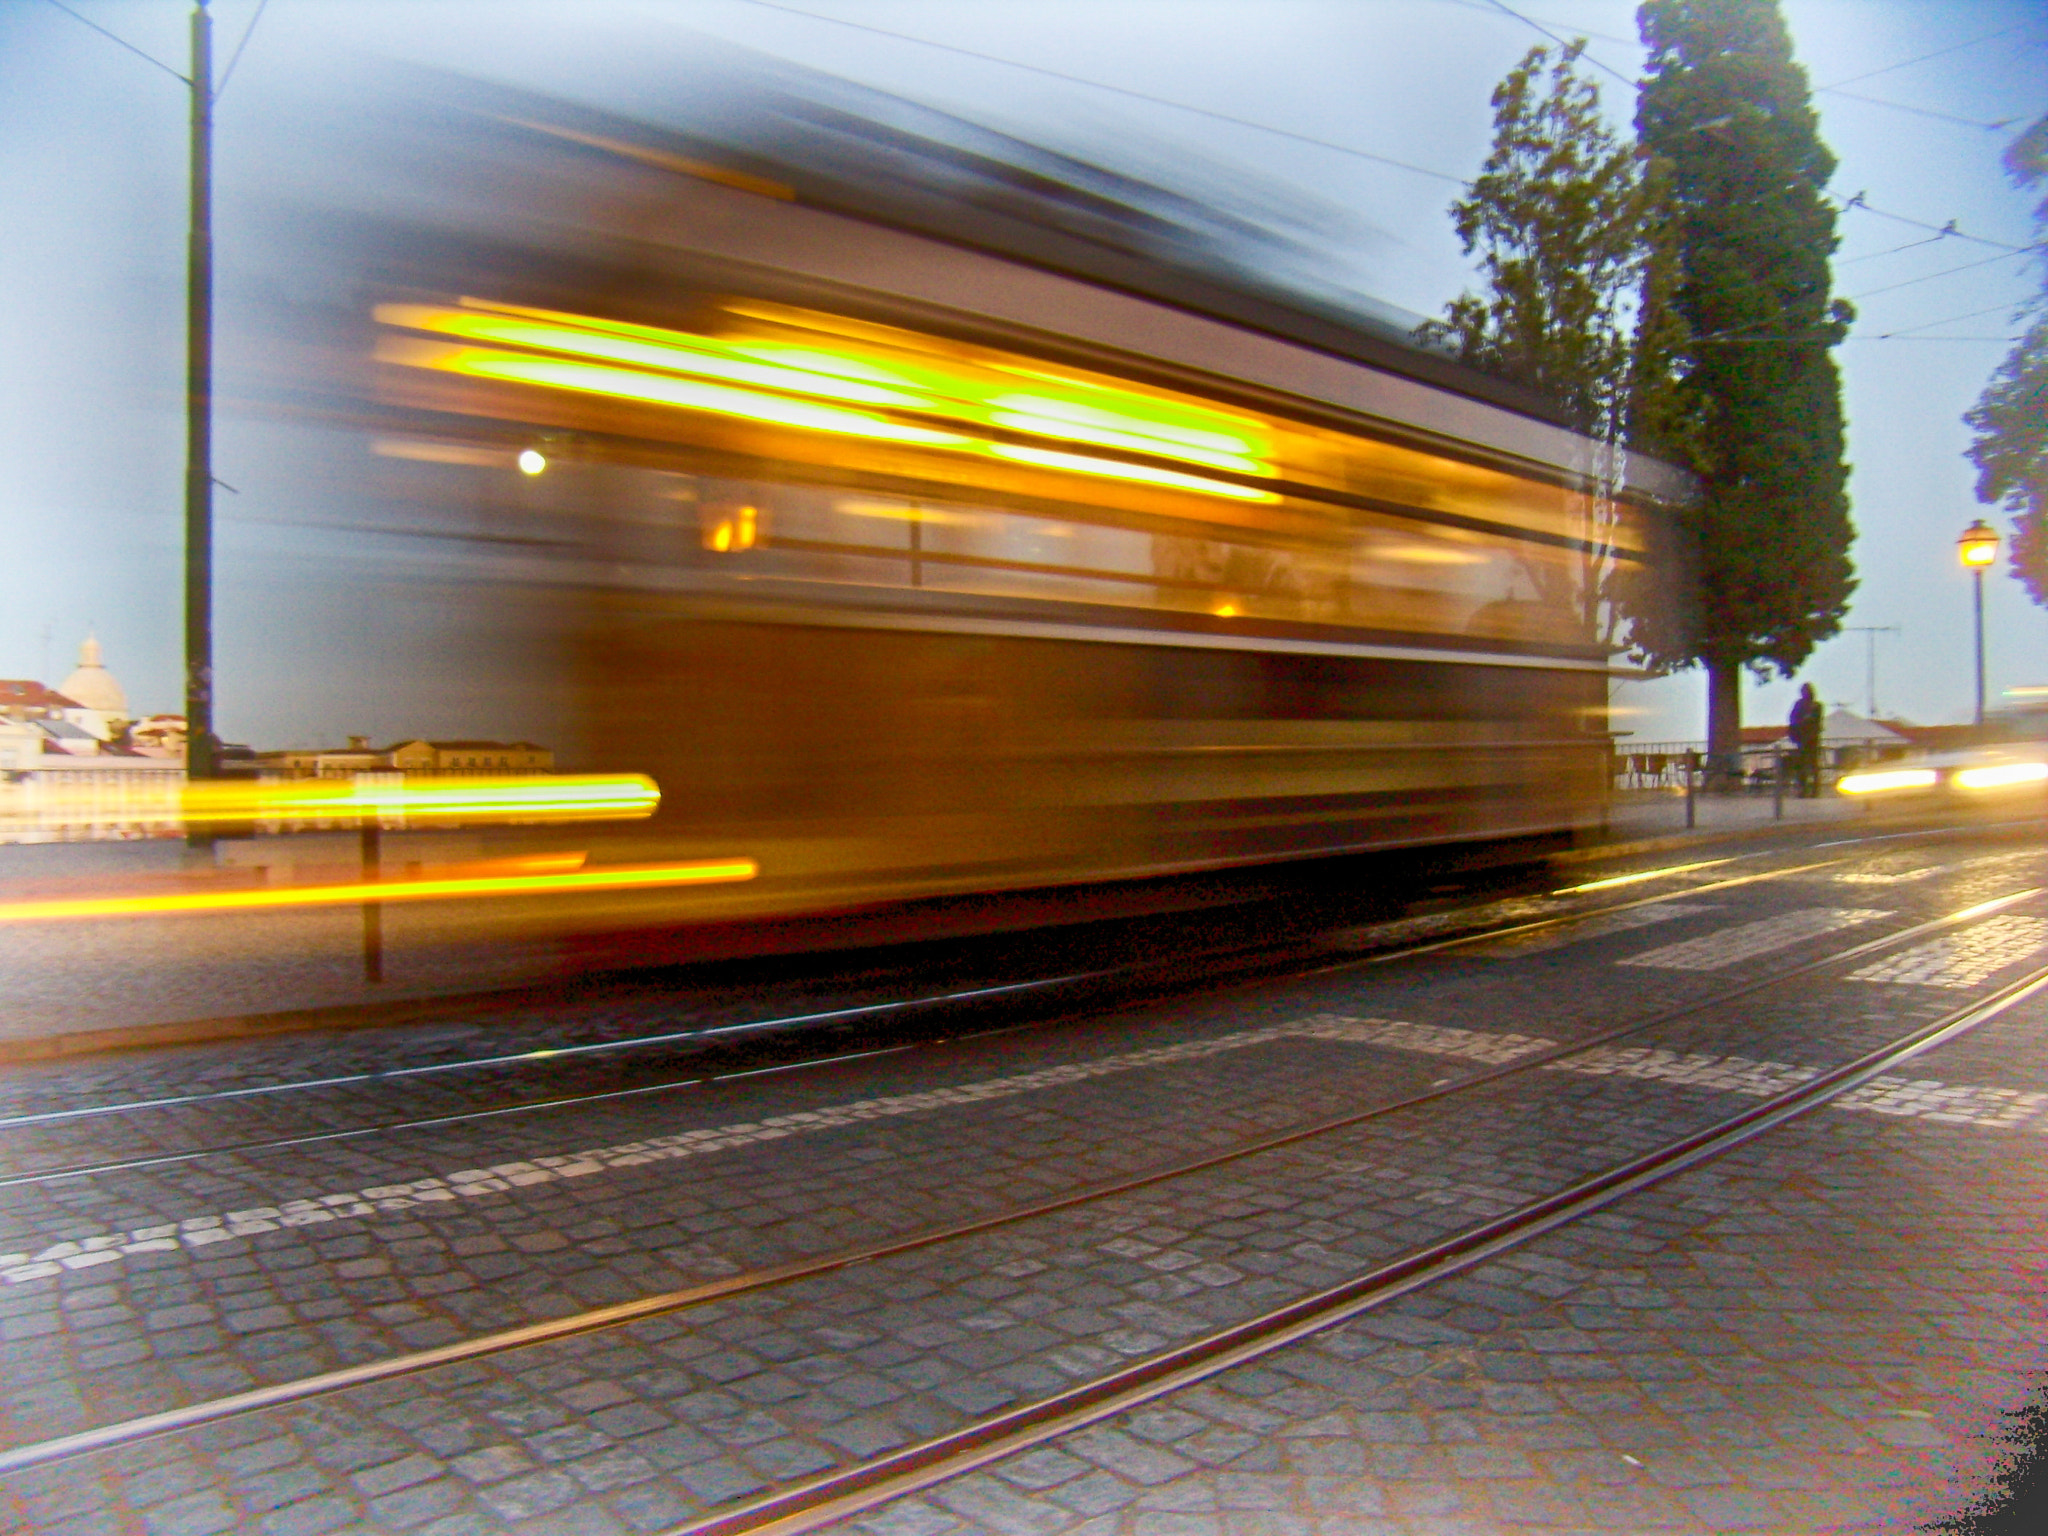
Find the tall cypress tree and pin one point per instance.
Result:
(1726, 110)
(2011, 416)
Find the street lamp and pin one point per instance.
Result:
(1978, 548)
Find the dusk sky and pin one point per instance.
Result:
(1917, 100)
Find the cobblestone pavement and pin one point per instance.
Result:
(1816, 1333)
(155, 1287)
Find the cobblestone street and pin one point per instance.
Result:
(497, 1290)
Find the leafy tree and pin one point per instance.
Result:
(1562, 216)
(2011, 416)
(1724, 106)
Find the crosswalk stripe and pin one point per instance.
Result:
(1730, 946)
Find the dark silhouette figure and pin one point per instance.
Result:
(1807, 717)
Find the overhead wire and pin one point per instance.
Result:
(115, 37)
(1946, 117)
(1928, 325)
(247, 33)
(1910, 245)
(1928, 277)
(1856, 202)
(1117, 90)
(1872, 74)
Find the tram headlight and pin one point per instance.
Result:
(1888, 780)
(2001, 775)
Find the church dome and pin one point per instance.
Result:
(92, 685)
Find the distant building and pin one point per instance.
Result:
(23, 699)
(418, 756)
(161, 736)
(102, 703)
(470, 757)
(325, 762)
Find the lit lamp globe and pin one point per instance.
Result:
(1978, 546)
(1977, 549)
(532, 461)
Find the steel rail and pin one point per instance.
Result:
(171, 1421)
(849, 1491)
(545, 1055)
(1250, 964)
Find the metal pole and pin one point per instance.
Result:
(1691, 772)
(1978, 573)
(201, 754)
(373, 911)
(1777, 785)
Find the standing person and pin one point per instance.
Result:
(1807, 718)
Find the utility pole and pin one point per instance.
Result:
(201, 746)
(1870, 632)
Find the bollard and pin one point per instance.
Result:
(373, 911)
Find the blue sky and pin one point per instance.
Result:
(92, 194)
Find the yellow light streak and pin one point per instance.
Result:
(2002, 775)
(1048, 426)
(1134, 415)
(1881, 783)
(557, 797)
(678, 354)
(1647, 874)
(657, 389)
(1113, 470)
(606, 357)
(618, 878)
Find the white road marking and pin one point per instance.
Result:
(2005, 1108)
(1515, 945)
(1961, 959)
(467, 1183)
(1886, 876)
(1731, 946)
(1916, 1098)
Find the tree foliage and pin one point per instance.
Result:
(1562, 217)
(1726, 109)
(2011, 416)
(1558, 215)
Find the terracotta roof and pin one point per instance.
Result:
(24, 691)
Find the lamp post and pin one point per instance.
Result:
(202, 747)
(1978, 548)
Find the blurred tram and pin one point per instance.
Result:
(918, 549)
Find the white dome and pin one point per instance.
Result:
(92, 685)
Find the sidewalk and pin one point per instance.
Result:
(83, 988)
(1648, 813)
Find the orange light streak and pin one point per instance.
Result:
(620, 878)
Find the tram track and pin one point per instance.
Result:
(1277, 960)
(594, 1320)
(865, 1485)
(1099, 989)
(1308, 956)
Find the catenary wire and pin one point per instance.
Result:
(1118, 90)
(147, 58)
